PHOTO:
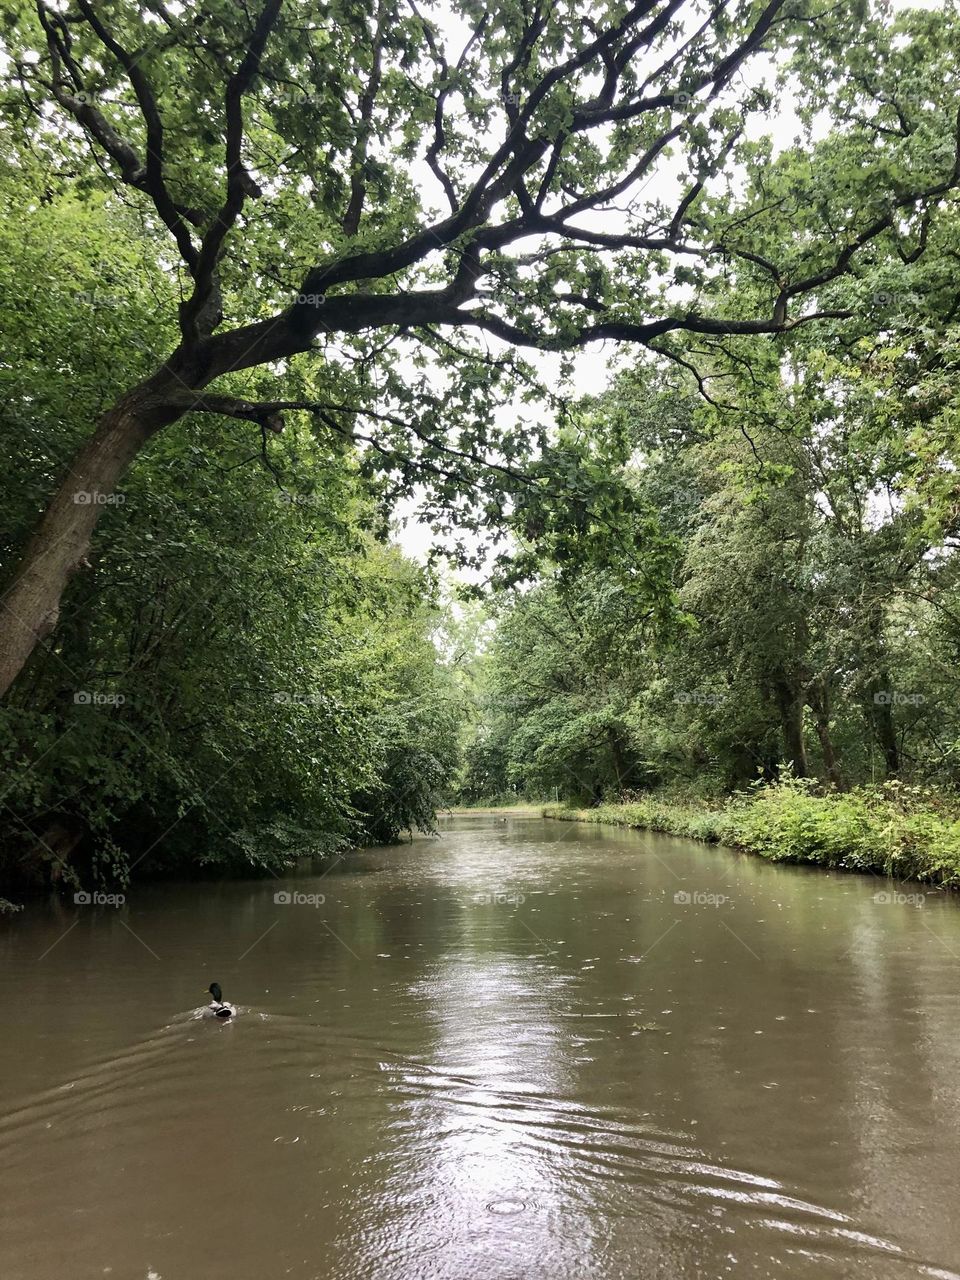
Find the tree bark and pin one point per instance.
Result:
(621, 766)
(879, 689)
(30, 605)
(790, 703)
(819, 700)
(886, 731)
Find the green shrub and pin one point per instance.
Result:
(905, 832)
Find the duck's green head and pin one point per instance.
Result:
(214, 989)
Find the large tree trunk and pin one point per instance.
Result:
(819, 699)
(886, 729)
(880, 692)
(790, 703)
(621, 765)
(30, 606)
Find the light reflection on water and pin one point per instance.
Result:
(526, 1050)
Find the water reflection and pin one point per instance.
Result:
(528, 1049)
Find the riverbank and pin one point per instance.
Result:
(905, 832)
(459, 811)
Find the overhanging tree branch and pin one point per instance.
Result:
(202, 312)
(154, 170)
(587, 110)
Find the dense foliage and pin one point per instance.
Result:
(267, 271)
(808, 496)
(363, 212)
(244, 673)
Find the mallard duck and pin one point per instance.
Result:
(219, 1008)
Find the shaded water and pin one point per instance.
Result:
(509, 1053)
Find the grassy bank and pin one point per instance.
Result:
(483, 809)
(893, 830)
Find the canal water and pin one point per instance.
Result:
(526, 1050)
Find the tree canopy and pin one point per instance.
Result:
(271, 270)
(366, 191)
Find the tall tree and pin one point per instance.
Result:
(280, 152)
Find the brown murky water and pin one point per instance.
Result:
(510, 1053)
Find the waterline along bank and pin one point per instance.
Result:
(910, 833)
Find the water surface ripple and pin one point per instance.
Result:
(525, 1050)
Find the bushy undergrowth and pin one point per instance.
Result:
(896, 830)
(501, 800)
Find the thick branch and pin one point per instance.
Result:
(199, 311)
(154, 177)
(132, 168)
(368, 98)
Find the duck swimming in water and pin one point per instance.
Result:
(219, 1008)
